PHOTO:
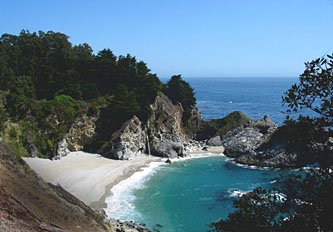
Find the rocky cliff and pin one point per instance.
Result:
(263, 143)
(80, 133)
(166, 133)
(246, 138)
(129, 141)
(162, 135)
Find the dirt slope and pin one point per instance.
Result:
(27, 203)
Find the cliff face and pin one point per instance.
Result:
(163, 133)
(263, 143)
(129, 141)
(247, 138)
(80, 133)
(246, 144)
(167, 135)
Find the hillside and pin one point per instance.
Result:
(27, 203)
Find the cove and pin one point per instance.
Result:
(186, 195)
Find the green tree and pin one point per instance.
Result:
(314, 92)
(179, 90)
(21, 92)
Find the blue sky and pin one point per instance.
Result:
(206, 38)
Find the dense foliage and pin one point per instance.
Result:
(45, 65)
(46, 82)
(314, 92)
(219, 127)
(179, 90)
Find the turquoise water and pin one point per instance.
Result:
(188, 195)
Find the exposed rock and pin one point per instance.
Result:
(127, 142)
(194, 145)
(30, 146)
(80, 133)
(216, 141)
(167, 135)
(218, 127)
(262, 143)
(127, 226)
(193, 123)
(245, 140)
(277, 158)
(168, 149)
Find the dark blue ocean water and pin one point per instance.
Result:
(190, 194)
(255, 97)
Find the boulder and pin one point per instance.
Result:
(216, 141)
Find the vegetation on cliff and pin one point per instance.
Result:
(46, 83)
(218, 127)
(179, 90)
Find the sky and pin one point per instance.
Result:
(194, 38)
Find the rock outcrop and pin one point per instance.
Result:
(166, 133)
(163, 134)
(263, 143)
(248, 145)
(126, 143)
(246, 138)
(80, 133)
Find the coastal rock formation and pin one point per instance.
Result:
(128, 142)
(163, 133)
(219, 127)
(246, 138)
(80, 133)
(127, 226)
(166, 133)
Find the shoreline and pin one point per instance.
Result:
(78, 171)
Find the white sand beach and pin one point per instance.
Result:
(89, 177)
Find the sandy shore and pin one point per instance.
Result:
(89, 177)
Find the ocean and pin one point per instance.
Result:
(255, 97)
(189, 194)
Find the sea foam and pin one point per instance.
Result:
(120, 204)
